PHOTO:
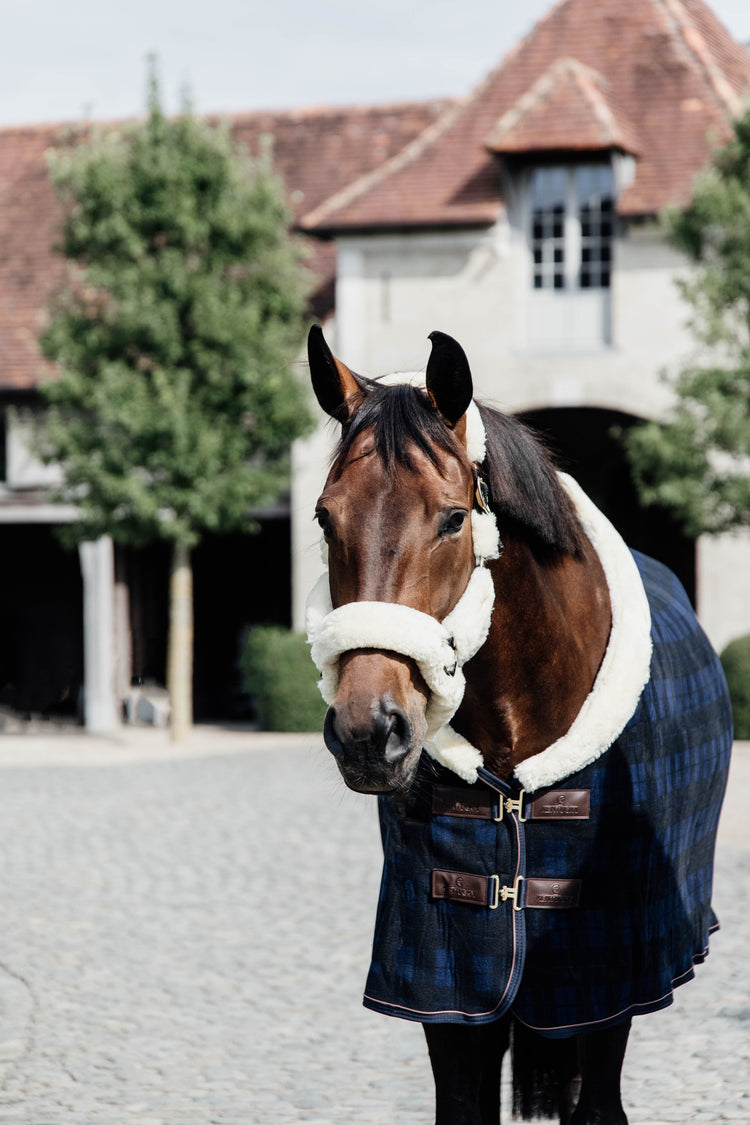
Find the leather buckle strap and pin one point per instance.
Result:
(561, 804)
(474, 803)
(553, 894)
(465, 887)
(558, 804)
(486, 890)
(479, 804)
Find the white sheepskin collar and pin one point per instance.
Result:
(625, 668)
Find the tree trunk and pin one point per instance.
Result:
(180, 658)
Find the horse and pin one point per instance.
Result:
(545, 726)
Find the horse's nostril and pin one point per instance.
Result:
(398, 734)
(330, 737)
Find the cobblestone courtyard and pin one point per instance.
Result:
(185, 936)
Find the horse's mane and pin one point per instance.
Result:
(525, 492)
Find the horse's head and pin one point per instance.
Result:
(395, 515)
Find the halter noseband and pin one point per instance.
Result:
(440, 649)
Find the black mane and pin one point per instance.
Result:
(525, 492)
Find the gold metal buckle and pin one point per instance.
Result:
(516, 806)
(513, 892)
(482, 495)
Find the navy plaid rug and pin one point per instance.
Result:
(644, 858)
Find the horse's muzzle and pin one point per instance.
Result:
(374, 753)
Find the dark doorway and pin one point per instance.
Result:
(586, 447)
(41, 622)
(239, 580)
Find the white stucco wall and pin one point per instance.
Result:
(723, 581)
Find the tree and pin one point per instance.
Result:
(698, 462)
(173, 337)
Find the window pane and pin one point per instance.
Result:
(595, 201)
(548, 204)
(548, 189)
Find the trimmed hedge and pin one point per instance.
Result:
(282, 680)
(735, 660)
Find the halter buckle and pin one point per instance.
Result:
(451, 671)
(482, 495)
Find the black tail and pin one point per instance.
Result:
(545, 1075)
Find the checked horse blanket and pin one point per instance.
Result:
(582, 904)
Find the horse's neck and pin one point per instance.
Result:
(549, 632)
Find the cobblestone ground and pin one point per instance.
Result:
(184, 939)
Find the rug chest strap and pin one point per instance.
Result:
(529, 893)
(484, 804)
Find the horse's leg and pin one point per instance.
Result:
(601, 1055)
(466, 1064)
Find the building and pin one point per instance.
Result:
(521, 220)
(523, 223)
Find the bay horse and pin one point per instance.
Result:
(547, 730)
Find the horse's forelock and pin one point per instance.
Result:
(400, 418)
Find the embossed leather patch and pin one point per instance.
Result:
(478, 804)
(561, 804)
(460, 886)
(553, 894)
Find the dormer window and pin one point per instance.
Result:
(570, 230)
(572, 226)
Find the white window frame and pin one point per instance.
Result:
(570, 316)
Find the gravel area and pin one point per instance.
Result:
(185, 935)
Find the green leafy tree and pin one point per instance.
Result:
(698, 462)
(176, 400)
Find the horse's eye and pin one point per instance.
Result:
(452, 522)
(324, 519)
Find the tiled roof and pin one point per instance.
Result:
(316, 151)
(28, 269)
(570, 107)
(673, 78)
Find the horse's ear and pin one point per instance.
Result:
(449, 381)
(333, 382)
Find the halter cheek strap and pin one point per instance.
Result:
(439, 649)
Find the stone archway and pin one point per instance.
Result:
(583, 441)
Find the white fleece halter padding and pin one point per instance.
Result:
(439, 649)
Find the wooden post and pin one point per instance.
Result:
(180, 657)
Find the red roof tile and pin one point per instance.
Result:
(316, 152)
(674, 79)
